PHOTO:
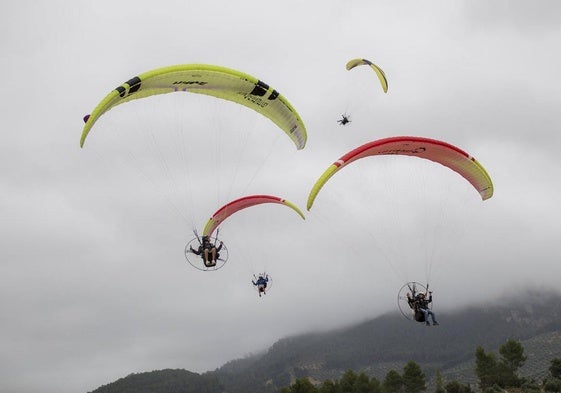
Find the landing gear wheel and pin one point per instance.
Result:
(197, 261)
(412, 288)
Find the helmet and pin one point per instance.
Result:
(206, 238)
(421, 295)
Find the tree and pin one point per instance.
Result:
(485, 368)
(512, 358)
(351, 382)
(555, 368)
(364, 384)
(457, 387)
(375, 385)
(553, 382)
(393, 383)
(301, 385)
(512, 355)
(439, 382)
(348, 381)
(552, 385)
(329, 386)
(504, 377)
(413, 378)
(530, 386)
(502, 373)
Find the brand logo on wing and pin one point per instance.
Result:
(416, 150)
(200, 83)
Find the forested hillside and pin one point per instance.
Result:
(389, 342)
(378, 346)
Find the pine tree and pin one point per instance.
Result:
(439, 382)
(555, 368)
(413, 378)
(348, 381)
(301, 385)
(512, 355)
(485, 368)
(512, 358)
(393, 383)
(457, 387)
(552, 384)
(329, 386)
(351, 382)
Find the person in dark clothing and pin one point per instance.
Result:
(420, 305)
(208, 251)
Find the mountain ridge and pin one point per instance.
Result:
(388, 342)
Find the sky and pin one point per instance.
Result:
(94, 284)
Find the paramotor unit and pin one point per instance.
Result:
(198, 262)
(407, 291)
(344, 120)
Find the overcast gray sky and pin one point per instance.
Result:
(93, 281)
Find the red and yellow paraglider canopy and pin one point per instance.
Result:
(430, 149)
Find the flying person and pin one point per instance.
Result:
(208, 251)
(261, 283)
(419, 303)
(344, 120)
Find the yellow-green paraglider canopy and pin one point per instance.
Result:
(381, 75)
(211, 80)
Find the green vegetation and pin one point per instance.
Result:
(164, 381)
(503, 372)
(498, 374)
(552, 383)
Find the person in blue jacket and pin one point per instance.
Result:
(261, 284)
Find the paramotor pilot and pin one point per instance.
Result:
(419, 303)
(261, 283)
(208, 251)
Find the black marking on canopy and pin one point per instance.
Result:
(134, 85)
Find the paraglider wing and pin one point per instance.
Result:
(381, 76)
(430, 149)
(211, 80)
(240, 204)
